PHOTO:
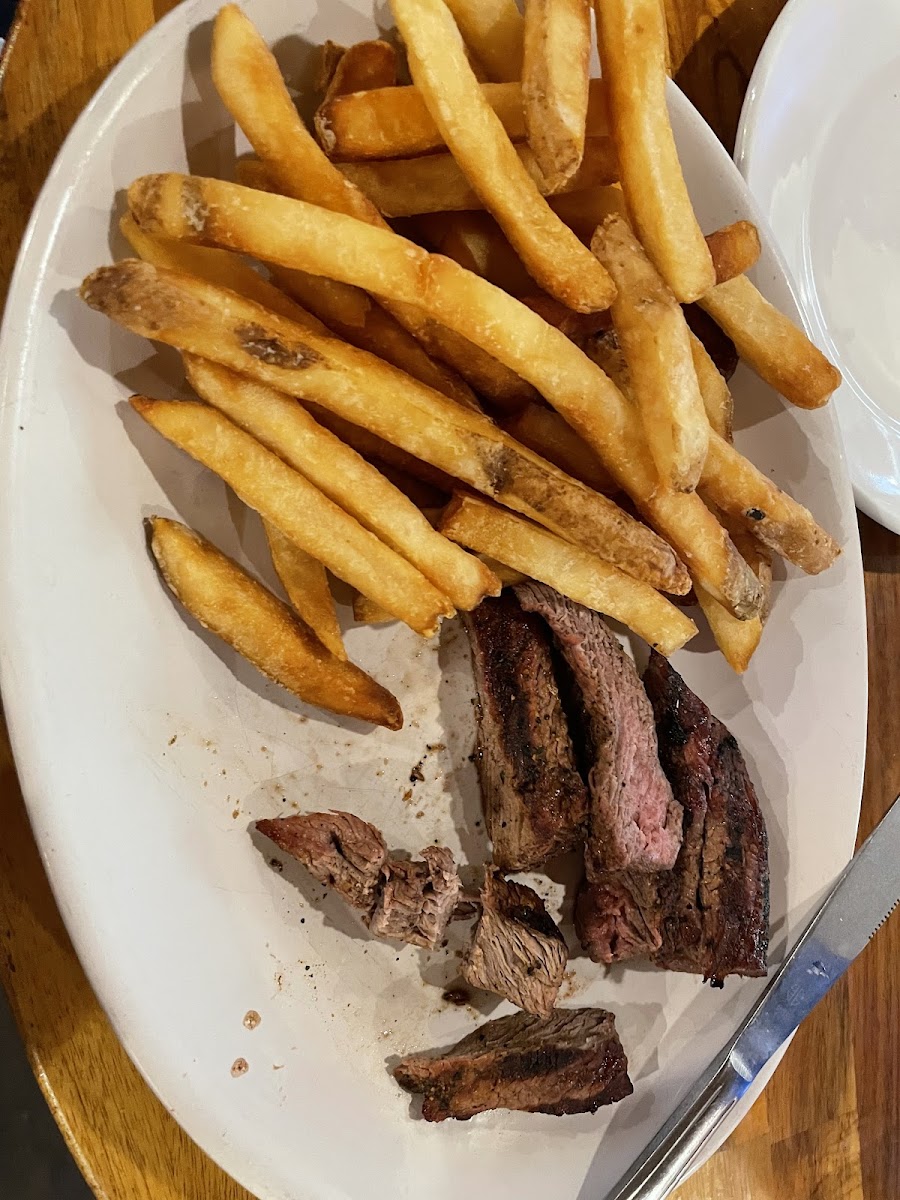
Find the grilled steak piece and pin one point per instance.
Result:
(634, 822)
(619, 916)
(534, 799)
(339, 849)
(715, 902)
(569, 1062)
(417, 899)
(517, 951)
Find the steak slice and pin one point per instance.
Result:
(716, 901)
(340, 850)
(619, 916)
(517, 951)
(535, 802)
(569, 1062)
(634, 822)
(417, 899)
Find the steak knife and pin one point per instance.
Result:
(858, 905)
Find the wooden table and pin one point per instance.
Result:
(827, 1127)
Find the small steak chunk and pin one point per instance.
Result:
(517, 951)
(535, 802)
(417, 899)
(715, 902)
(340, 850)
(569, 1062)
(634, 822)
(619, 916)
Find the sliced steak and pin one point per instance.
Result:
(517, 951)
(569, 1062)
(339, 849)
(417, 899)
(716, 901)
(619, 916)
(634, 822)
(534, 799)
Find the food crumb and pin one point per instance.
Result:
(251, 1018)
(407, 796)
(173, 739)
(420, 813)
(239, 1067)
(457, 996)
(278, 980)
(276, 865)
(277, 1066)
(235, 813)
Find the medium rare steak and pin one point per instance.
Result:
(715, 903)
(619, 916)
(569, 1062)
(417, 899)
(340, 850)
(534, 799)
(634, 822)
(517, 951)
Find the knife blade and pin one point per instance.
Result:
(861, 900)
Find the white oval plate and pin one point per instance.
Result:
(819, 146)
(146, 749)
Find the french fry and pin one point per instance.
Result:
(578, 327)
(734, 249)
(361, 67)
(493, 31)
(584, 210)
(329, 55)
(507, 576)
(298, 509)
(656, 343)
(436, 183)
(281, 230)
(476, 242)
(717, 399)
(555, 73)
(633, 46)
(249, 81)
(423, 495)
(605, 350)
(220, 326)
(396, 123)
(287, 429)
(771, 343)
(742, 491)
(367, 612)
(234, 606)
(546, 433)
(306, 583)
(478, 142)
(574, 572)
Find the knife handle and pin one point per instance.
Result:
(683, 1136)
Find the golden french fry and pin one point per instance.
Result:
(656, 342)
(734, 249)
(234, 606)
(275, 228)
(249, 81)
(740, 490)
(507, 576)
(396, 123)
(771, 343)
(584, 210)
(757, 556)
(604, 350)
(717, 399)
(546, 433)
(299, 510)
(555, 74)
(361, 67)
(220, 326)
(306, 583)
(737, 640)
(476, 242)
(220, 267)
(367, 612)
(493, 31)
(478, 142)
(329, 55)
(578, 327)
(423, 495)
(633, 46)
(435, 183)
(575, 573)
(287, 429)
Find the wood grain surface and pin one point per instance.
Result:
(827, 1126)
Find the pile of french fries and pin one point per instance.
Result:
(500, 385)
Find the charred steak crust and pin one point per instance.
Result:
(417, 899)
(634, 822)
(715, 902)
(517, 951)
(535, 801)
(341, 850)
(618, 917)
(569, 1062)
